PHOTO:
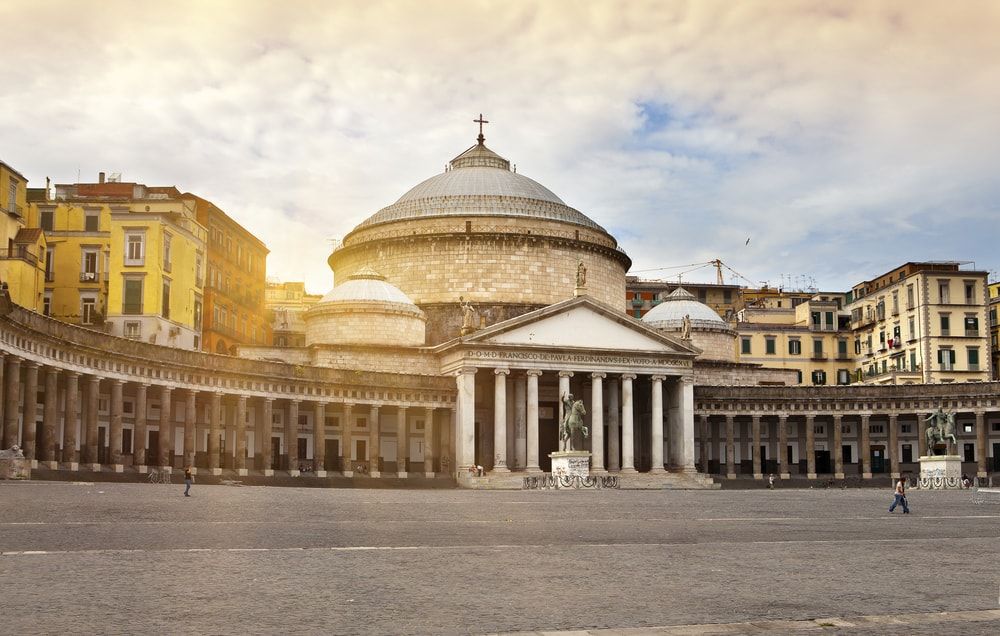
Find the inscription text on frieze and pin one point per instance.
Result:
(579, 358)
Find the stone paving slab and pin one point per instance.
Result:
(128, 558)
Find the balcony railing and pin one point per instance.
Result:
(19, 253)
(15, 210)
(88, 277)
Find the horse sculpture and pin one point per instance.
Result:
(572, 422)
(940, 430)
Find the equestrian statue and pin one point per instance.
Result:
(573, 412)
(940, 429)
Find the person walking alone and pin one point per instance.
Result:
(188, 480)
(900, 497)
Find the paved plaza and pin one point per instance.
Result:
(131, 558)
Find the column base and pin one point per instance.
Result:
(982, 474)
(657, 470)
(267, 472)
(167, 469)
(348, 473)
(838, 475)
(34, 463)
(758, 475)
(810, 475)
(500, 469)
(294, 473)
(785, 476)
(866, 475)
(533, 469)
(894, 475)
(429, 475)
(629, 470)
(218, 471)
(242, 472)
(375, 473)
(402, 475)
(50, 465)
(321, 473)
(142, 469)
(598, 471)
(118, 468)
(96, 468)
(730, 475)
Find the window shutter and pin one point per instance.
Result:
(940, 357)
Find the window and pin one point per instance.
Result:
(818, 347)
(973, 358)
(913, 360)
(798, 376)
(907, 454)
(944, 296)
(946, 359)
(90, 222)
(945, 325)
(197, 313)
(906, 428)
(127, 441)
(133, 329)
(971, 326)
(47, 304)
(794, 347)
(769, 345)
(819, 377)
(909, 296)
(895, 303)
(166, 252)
(857, 346)
(46, 220)
(727, 296)
(361, 422)
(12, 196)
(88, 307)
(816, 318)
(166, 299)
(843, 377)
(911, 328)
(842, 348)
(197, 269)
(877, 429)
(88, 265)
(50, 260)
(135, 248)
(132, 296)
(745, 345)
(970, 293)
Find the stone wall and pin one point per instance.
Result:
(717, 373)
(365, 323)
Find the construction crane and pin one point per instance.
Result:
(692, 267)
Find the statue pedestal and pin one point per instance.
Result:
(570, 463)
(15, 468)
(941, 472)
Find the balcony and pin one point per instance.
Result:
(15, 211)
(638, 302)
(21, 253)
(819, 357)
(88, 277)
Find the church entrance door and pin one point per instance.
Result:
(332, 454)
(153, 448)
(275, 453)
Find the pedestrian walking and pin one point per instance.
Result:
(899, 497)
(770, 481)
(188, 480)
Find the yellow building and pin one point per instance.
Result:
(22, 249)
(287, 302)
(922, 322)
(813, 338)
(124, 258)
(994, 314)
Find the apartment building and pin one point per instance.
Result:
(287, 302)
(994, 317)
(22, 249)
(643, 295)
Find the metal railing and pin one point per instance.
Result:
(18, 253)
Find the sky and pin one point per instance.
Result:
(841, 138)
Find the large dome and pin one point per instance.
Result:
(366, 285)
(479, 182)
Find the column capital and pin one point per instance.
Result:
(294, 401)
(402, 408)
(348, 406)
(730, 417)
(687, 379)
(31, 364)
(94, 379)
(837, 417)
(657, 378)
(810, 417)
(865, 417)
(783, 417)
(755, 418)
(893, 417)
(239, 398)
(193, 392)
(117, 381)
(76, 375)
(374, 408)
(533, 372)
(501, 371)
(466, 371)
(598, 375)
(629, 376)
(565, 374)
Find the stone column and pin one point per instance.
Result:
(685, 409)
(240, 443)
(115, 428)
(373, 443)
(891, 452)
(837, 450)
(520, 421)
(597, 422)
(755, 451)
(783, 447)
(628, 445)
(190, 421)
(703, 442)
(292, 437)
(3, 416)
(30, 410)
(656, 424)
(500, 420)
(429, 442)
(730, 449)
(810, 446)
(139, 429)
(465, 448)
(267, 428)
(982, 445)
(402, 441)
(347, 441)
(865, 451)
(214, 427)
(614, 440)
(50, 419)
(90, 420)
(532, 465)
(12, 398)
(446, 460)
(921, 437)
(166, 430)
(71, 419)
(564, 377)
(319, 439)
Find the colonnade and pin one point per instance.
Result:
(70, 433)
(611, 422)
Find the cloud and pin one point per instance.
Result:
(845, 139)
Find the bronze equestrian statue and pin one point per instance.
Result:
(573, 412)
(940, 429)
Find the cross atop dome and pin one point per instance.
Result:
(481, 139)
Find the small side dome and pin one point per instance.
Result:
(672, 309)
(365, 310)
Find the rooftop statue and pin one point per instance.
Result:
(686, 327)
(581, 275)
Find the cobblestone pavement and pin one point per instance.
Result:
(127, 558)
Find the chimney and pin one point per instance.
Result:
(100, 177)
(48, 188)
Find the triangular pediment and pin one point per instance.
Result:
(581, 323)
